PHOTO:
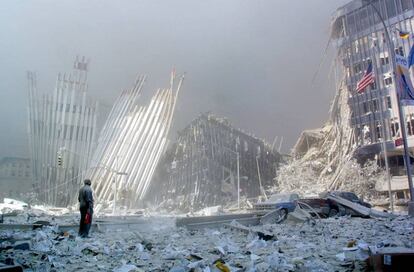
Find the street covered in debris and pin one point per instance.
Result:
(46, 239)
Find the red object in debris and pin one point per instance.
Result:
(87, 218)
(398, 142)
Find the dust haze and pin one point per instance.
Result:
(250, 61)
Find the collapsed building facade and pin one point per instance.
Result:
(62, 129)
(211, 161)
(131, 143)
(351, 150)
(361, 41)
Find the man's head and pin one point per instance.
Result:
(87, 182)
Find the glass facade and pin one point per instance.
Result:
(360, 39)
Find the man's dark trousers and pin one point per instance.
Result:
(84, 228)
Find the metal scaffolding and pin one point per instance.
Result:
(62, 128)
(131, 143)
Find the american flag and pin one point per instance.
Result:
(366, 80)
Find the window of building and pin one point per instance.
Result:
(399, 51)
(389, 105)
(387, 81)
(394, 129)
(375, 105)
(384, 40)
(357, 68)
(400, 195)
(365, 107)
(384, 60)
(378, 131)
(409, 128)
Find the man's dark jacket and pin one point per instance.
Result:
(86, 198)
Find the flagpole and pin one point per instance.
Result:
(384, 148)
(400, 110)
(383, 124)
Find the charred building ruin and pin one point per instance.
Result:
(210, 157)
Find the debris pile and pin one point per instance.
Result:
(333, 244)
(322, 159)
(13, 211)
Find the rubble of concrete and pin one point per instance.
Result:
(14, 211)
(323, 160)
(333, 244)
(155, 243)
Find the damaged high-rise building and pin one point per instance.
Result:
(210, 161)
(360, 38)
(62, 129)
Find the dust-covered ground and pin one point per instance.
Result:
(155, 244)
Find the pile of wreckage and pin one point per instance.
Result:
(260, 239)
(281, 207)
(324, 159)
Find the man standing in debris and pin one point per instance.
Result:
(86, 208)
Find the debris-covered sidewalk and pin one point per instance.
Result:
(333, 244)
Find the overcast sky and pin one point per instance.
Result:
(251, 61)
